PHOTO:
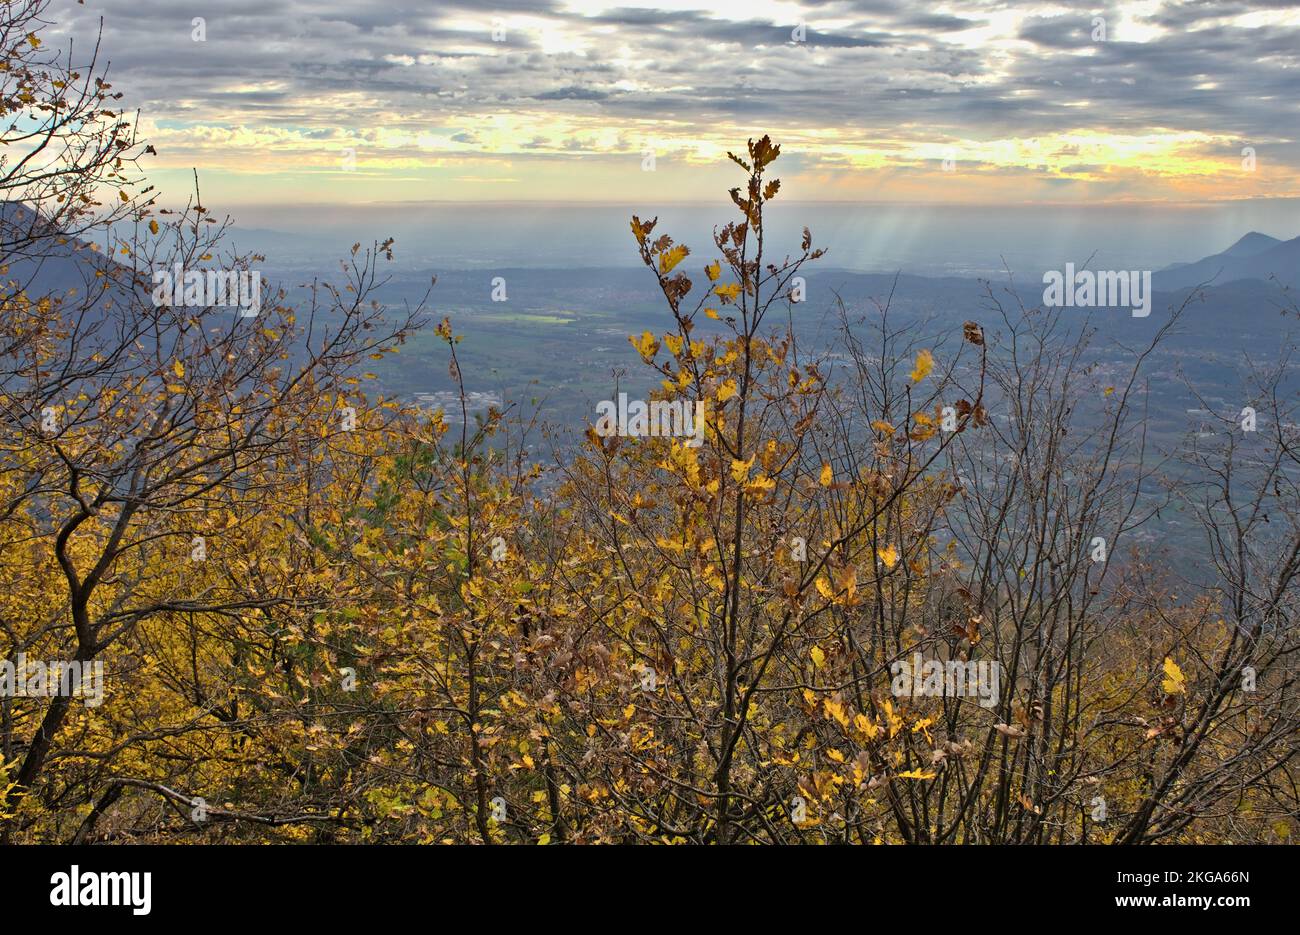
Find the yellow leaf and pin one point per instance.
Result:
(1174, 683)
(726, 390)
(713, 271)
(895, 722)
(740, 469)
(924, 364)
(836, 710)
(646, 345)
(153, 227)
(848, 584)
(865, 726)
(711, 313)
(916, 774)
(818, 657)
(827, 475)
(674, 256)
(921, 433)
(888, 556)
(729, 293)
(178, 368)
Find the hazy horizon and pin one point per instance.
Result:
(930, 240)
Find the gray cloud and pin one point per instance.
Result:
(269, 63)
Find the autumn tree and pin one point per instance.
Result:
(138, 431)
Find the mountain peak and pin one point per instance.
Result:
(1255, 256)
(1251, 244)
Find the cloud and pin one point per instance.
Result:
(873, 77)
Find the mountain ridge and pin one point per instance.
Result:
(1253, 256)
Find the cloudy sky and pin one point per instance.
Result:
(413, 100)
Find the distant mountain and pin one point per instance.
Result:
(1252, 244)
(95, 293)
(38, 258)
(1255, 256)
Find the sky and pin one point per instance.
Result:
(347, 102)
